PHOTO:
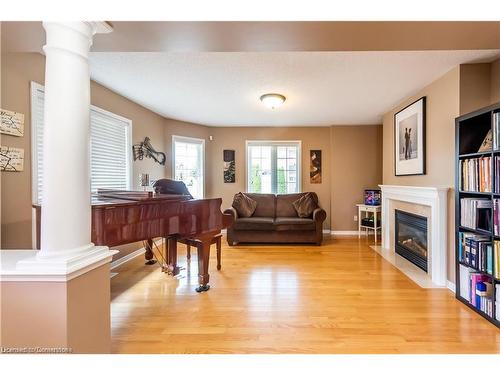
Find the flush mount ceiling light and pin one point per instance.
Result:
(272, 101)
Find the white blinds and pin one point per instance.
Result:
(110, 145)
(110, 151)
(37, 102)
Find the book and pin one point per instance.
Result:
(476, 213)
(476, 174)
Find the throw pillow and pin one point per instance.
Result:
(244, 205)
(305, 205)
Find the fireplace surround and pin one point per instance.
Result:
(436, 199)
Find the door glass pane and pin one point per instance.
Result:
(189, 166)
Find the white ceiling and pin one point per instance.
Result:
(322, 88)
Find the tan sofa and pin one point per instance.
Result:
(276, 221)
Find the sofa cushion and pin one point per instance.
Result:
(254, 223)
(284, 204)
(265, 204)
(305, 205)
(294, 223)
(244, 205)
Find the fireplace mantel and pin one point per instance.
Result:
(436, 199)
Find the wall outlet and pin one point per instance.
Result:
(355, 218)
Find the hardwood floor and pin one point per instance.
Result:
(341, 297)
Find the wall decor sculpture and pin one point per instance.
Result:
(145, 149)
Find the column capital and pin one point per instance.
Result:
(74, 37)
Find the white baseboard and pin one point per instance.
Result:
(127, 257)
(450, 286)
(344, 232)
(327, 231)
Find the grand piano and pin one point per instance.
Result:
(123, 217)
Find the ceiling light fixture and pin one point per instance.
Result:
(272, 101)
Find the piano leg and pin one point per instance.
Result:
(172, 268)
(148, 255)
(203, 260)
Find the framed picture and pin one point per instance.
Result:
(11, 159)
(409, 139)
(315, 167)
(229, 166)
(11, 123)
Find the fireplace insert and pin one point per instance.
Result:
(411, 238)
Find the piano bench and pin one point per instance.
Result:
(217, 240)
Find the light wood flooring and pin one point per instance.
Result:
(341, 297)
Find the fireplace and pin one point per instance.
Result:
(411, 238)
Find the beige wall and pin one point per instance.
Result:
(18, 69)
(340, 156)
(495, 81)
(17, 72)
(356, 165)
(233, 138)
(47, 314)
(443, 106)
(475, 86)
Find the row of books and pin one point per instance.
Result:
(497, 299)
(476, 251)
(496, 130)
(477, 289)
(476, 174)
(496, 217)
(496, 167)
(475, 213)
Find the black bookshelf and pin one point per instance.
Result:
(470, 131)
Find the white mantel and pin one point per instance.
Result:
(436, 199)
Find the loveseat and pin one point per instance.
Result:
(276, 220)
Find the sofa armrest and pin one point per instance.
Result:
(319, 215)
(231, 211)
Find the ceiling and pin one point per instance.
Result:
(322, 88)
(332, 73)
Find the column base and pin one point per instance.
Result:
(28, 265)
(55, 305)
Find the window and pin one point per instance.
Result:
(188, 163)
(273, 167)
(110, 147)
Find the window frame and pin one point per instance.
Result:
(198, 141)
(274, 143)
(34, 87)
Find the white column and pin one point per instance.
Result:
(66, 210)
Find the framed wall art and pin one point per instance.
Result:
(409, 139)
(315, 172)
(229, 166)
(11, 123)
(11, 159)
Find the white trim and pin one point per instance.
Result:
(344, 232)
(25, 265)
(201, 141)
(450, 286)
(327, 231)
(127, 258)
(265, 142)
(434, 197)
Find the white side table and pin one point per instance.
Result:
(366, 211)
